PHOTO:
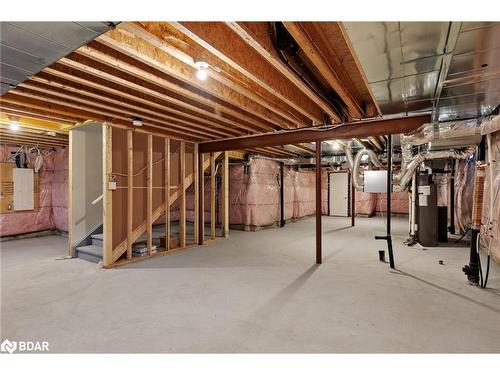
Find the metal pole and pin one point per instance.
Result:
(282, 194)
(389, 191)
(318, 203)
(353, 202)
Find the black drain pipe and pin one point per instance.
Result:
(282, 194)
(473, 268)
(389, 191)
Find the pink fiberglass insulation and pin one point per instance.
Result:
(30, 221)
(464, 189)
(255, 193)
(53, 212)
(399, 202)
(60, 189)
(365, 203)
(490, 238)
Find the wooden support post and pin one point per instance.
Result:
(225, 194)
(107, 195)
(149, 195)
(196, 183)
(318, 203)
(212, 196)
(353, 201)
(201, 200)
(70, 194)
(182, 207)
(130, 191)
(167, 194)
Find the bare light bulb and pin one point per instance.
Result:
(14, 125)
(202, 74)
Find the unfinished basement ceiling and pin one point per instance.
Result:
(449, 68)
(28, 47)
(148, 70)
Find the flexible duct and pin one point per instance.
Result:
(428, 155)
(358, 184)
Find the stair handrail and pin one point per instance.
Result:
(98, 199)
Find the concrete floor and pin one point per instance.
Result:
(253, 292)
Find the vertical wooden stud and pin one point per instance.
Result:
(225, 194)
(201, 199)
(130, 191)
(107, 160)
(182, 191)
(70, 194)
(212, 196)
(149, 195)
(196, 192)
(167, 193)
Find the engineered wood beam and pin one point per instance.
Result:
(316, 56)
(155, 79)
(108, 113)
(120, 107)
(158, 93)
(160, 34)
(144, 47)
(91, 87)
(226, 42)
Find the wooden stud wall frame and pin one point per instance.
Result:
(146, 148)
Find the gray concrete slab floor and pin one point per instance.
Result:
(254, 292)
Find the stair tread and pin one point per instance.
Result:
(91, 249)
(98, 236)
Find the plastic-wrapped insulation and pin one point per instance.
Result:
(477, 200)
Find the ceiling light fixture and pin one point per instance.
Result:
(202, 67)
(14, 125)
(136, 121)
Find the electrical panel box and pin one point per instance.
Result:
(375, 181)
(24, 189)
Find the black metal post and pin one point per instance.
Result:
(388, 237)
(452, 197)
(389, 192)
(282, 194)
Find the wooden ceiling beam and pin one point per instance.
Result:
(261, 42)
(111, 115)
(120, 108)
(69, 81)
(225, 42)
(149, 54)
(85, 115)
(316, 56)
(155, 79)
(23, 142)
(160, 34)
(38, 115)
(349, 130)
(154, 93)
